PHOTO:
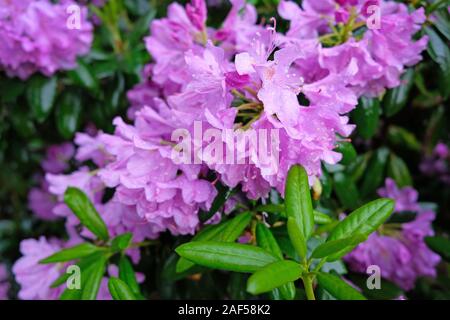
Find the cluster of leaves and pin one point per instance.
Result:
(271, 272)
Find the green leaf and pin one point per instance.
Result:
(273, 276)
(222, 196)
(357, 168)
(71, 294)
(83, 208)
(298, 201)
(120, 290)
(367, 117)
(437, 48)
(296, 237)
(122, 241)
(227, 231)
(335, 246)
(439, 51)
(442, 22)
(403, 138)
(226, 256)
(127, 274)
(41, 93)
(348, 152)
(92, 279)
(267, 241)
(439, 245)
(338, 288)
(364, 220)
(375, 172)
(68, 114)
(346, 191)
(271, 208)
(395, 99)
(398, 170)
(321, 218)
(76, 252)
(83, 76)
(209, 233)
(235, 227)
(11, 89)
(83, 264)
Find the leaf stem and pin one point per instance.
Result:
(308, 283)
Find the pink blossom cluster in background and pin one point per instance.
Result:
(243, 75)
(399, 251)
(437, 164)
(35, 37)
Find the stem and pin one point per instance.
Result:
(307, 282)
(320, 265)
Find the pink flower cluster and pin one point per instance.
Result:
(244, 75)
(35, 37)
(437, 164)
(400, 252)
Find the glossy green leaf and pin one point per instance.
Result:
(346, 191)
(120, 290)
(267, 241)
(71, 294)
(84, 76)
(235, 227)
(92, 278)
(296, 237)
(321, 218)
(227, 231)
(439, 51)
(68, 114)
(348, 152)
(298, 201)
(76, 252)
(273, 276)
(367, 117)
(442, 22)
(122, 241)
(226, 256)
(398, 170)
(375, 172)
(403, 138)
(333, 247)
(338, 288)
(83, 208)
(83, 264)
(127, 274)
(364, 220)
(439, 245)
(223, 194)
(271, 208)
(396, 99)
(41, 93)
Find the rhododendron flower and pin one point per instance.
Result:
(36, 37)
(34, 278)
(401, 253)
(57, 158)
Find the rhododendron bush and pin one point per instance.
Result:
(224, 149)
